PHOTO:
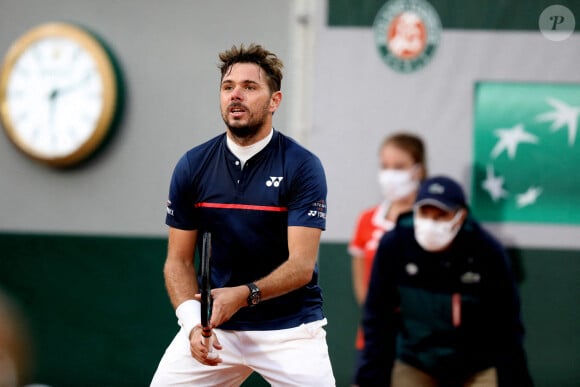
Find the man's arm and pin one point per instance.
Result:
(182, 286)
(512, 367)
(179, 269)
(294, 273)
(303, 243)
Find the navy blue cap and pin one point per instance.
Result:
(442, 192)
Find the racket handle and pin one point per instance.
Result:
(207, 340)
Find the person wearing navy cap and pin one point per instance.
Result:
(442, 307)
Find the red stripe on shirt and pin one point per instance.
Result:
(242, 207)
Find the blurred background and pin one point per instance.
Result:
(82, 249)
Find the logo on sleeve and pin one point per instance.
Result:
(318, 209)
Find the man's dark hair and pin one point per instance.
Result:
(254, 53)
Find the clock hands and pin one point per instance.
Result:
(57, 92)
(51, 112)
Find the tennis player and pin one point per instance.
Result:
(263, 198)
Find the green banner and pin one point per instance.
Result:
(455, 14)
(526, 153)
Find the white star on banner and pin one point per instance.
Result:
(526, 152)
(563, 114)
(509, 138)
(494, 185)
(529, 197)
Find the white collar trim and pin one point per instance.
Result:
(244, 153)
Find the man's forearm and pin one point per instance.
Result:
(297, 270)
(289, 276)
(180, 282)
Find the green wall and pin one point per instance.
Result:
(99, 314)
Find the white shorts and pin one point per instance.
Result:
(287, 357)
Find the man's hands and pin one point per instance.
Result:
(226, 302)
(199, 351)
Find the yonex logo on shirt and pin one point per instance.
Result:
(274, 181)
(169, 209)
(319, 214)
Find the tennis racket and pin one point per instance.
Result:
(205, 291)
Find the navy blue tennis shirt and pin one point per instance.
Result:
(248, 212)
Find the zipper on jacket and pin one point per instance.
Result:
(456, 309)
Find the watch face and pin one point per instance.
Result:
(255, 294)
(58, 94)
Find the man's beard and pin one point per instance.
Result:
(245, 131)
(251, 128)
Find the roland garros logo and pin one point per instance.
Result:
(407, 34)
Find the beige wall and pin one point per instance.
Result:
(168, 53)
(340, 100)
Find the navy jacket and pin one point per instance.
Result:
(450, 314)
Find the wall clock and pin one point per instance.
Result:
(60, 94)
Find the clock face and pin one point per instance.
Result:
(58, 93)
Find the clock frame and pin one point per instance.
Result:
(109, 93)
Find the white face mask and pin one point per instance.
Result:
(395, 184)
(435, 235)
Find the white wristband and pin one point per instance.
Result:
(189, 315)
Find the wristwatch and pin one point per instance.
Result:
(255, 294)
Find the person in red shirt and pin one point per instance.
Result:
(401, 169)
